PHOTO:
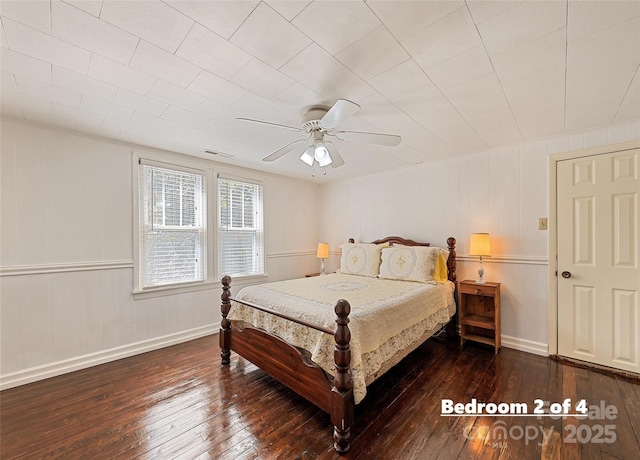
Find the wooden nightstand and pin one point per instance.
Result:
(480, 312)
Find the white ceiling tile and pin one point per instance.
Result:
(24, 65)
(72, 81)
(539, 115)
(148, 121)
(518, 62)
(523, 23)
(63, 116)
(269, 37)
(461, 68)
(20, 106)
(3, 37)
(155, 61)
(288, 9)
(184, 117)
(342, 24)
(256, 106)
(140, 103)
(607, 59)
(101, 107)
(34, 14)
(47, 92)
(86, 31)
(210, 51)
(213, 87)
(446, 38)
(304, 68)
(373, 54)
(76, 117)
(481, 10)
(174, 95)
(191, 70)
(120, 75)
(347, 86)
(630, 107)
(436, 114)
(90, 123)
(397, 81)
(217, 111)
(45, 47)
(590, 17)
(153, 21)
(262, 79)
(8, 81)
(482, 95)
(495, 126)
(89, 6)
(223, 18)
(404, 19)
(299, 98)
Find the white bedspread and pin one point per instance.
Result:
(386, 316)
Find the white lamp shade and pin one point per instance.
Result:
(307, 156)
(323, 251)
(480, 245)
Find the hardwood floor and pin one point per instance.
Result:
(179, 402)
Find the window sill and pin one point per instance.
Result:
(172, 290)
(204, 286)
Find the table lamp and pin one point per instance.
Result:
(323, 253)
(480, 246)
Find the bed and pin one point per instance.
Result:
(308, 336)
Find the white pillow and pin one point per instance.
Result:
(360, 259)
(409, 263)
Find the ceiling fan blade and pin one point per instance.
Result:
(340, 111)
(284, 150)
(369, 138)
(335, 155)
(292, 128)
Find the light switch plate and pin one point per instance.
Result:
(542, 223)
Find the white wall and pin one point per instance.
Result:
(66, 260)
(500, 191)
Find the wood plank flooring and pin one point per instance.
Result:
(180, 403)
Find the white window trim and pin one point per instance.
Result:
(226, 175)
(177, 162)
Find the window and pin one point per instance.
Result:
(240, 236)
(172, 208)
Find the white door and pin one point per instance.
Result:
(598, 255)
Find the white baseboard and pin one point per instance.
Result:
(528, 346)
(34, 374)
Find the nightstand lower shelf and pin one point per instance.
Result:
(480, 338)
(486, 322)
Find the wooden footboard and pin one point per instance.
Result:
(293, 367)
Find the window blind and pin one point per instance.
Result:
(172, 226)
(240, 236)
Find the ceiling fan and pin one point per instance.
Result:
(321, 123)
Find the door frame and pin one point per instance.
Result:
(552, 315)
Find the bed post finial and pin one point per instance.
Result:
(451, 261)
(225, 324)
(342, 406)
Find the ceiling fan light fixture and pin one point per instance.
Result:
(321, 154)
(307, 157)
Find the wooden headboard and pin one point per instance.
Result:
(451, 246)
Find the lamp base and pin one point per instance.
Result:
(322, 272)
(480, 279)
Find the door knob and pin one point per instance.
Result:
(566, 274)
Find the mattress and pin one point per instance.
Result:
(388, 318)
